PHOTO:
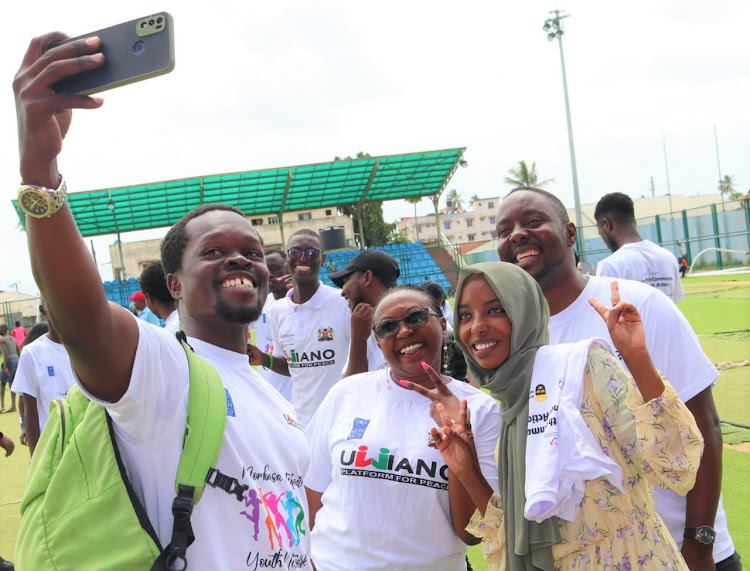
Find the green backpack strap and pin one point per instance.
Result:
(204, 434)
(204, 427)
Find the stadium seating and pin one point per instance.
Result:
(413, 260)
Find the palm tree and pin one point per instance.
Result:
(414, 200)
(523, 176)
(726, 188)
(474, 198)
(453, 200)
(435, 198)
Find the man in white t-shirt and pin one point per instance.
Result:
(633, 257)
(311, 328)
(277, 282)
(535, 233)
(44, 374)
(214, 264)
(159, 300)
(363, 282)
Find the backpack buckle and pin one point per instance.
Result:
(230, 485)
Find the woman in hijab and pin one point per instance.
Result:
(581, 439)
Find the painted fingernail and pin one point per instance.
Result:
(425, 366)
(404, 383)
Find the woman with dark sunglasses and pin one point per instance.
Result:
(377, 486)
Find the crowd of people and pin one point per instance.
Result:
(354, 438)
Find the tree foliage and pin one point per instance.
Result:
(727, 188)
(398, 238)
(522, 175)
(414, 200)
(374, 228)
(453, 200)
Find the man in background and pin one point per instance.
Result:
(363, 282)
(535, 233)
(633, 258)
(311, 329)
(8, 370)
(159, 300)
(19, 334)
(277, 289)
(44, 374)
(142, 311)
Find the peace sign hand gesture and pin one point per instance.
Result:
(441, 395)
(456, 441)
(624, 323)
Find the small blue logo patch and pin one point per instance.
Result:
(51, 371)
(230, 404)
(358, 428)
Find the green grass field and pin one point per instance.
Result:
(718, 307)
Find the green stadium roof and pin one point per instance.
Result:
(269, 191)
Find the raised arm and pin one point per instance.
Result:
(628, 335)
(100, 337)
(467, 487)
(361, 330)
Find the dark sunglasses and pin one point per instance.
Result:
(310, 253)
(413, 320)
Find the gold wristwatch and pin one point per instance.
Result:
(42, 202)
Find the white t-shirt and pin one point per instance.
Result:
(172, 322)
(645, 262)
(375, 357)
(314, 339)
(385, 490)
(43, 372)
(675, 351)
(447, 312)
(264, 341)
(264, 448)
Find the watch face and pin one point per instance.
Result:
(35, 203)
(705, 535)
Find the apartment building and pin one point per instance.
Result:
(456, 225)
(133, 256)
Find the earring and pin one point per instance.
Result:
(445, 357)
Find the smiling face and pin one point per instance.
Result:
(223, 276)
(406, 350)
(532, 235)
(483, 326)
(276, 269)
(303, 270)
(351, 289)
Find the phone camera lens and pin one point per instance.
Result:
(139, 47)
(150, 22)
(159, 20)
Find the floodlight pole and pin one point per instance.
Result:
(111, 206)
(553, 28)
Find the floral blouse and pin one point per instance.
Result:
(655, 443)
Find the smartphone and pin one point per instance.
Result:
(133, 51)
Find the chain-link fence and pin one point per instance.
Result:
(714, 236)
